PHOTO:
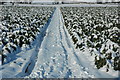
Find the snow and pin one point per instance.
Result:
(57, 57)
(67, 5)
(26, 58)
(54, 56)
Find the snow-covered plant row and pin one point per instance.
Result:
(19, 27)
(98, 29)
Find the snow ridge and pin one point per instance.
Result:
(23, 65)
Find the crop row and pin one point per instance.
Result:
(98, 29)
(19, 27)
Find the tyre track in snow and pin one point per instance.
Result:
(72, 53)
(52, 59)
(68, 73)
(84, 67)
(57, 57)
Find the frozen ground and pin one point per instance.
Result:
(57, 57)
(54, 57)
(18, 67)
(73, 5)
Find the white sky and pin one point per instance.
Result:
(58, 0)
(75, 0)
(67, 0)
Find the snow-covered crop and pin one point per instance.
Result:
(98, 29)
(19, 27)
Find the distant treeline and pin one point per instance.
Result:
(16, 2)
(107, 2)
(59, 2)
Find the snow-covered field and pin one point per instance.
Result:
(21, 37)
(71, 5)
(52, 53)
(92, 28)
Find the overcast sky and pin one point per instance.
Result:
(59, 0)
(77, 0)
(65, 0)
